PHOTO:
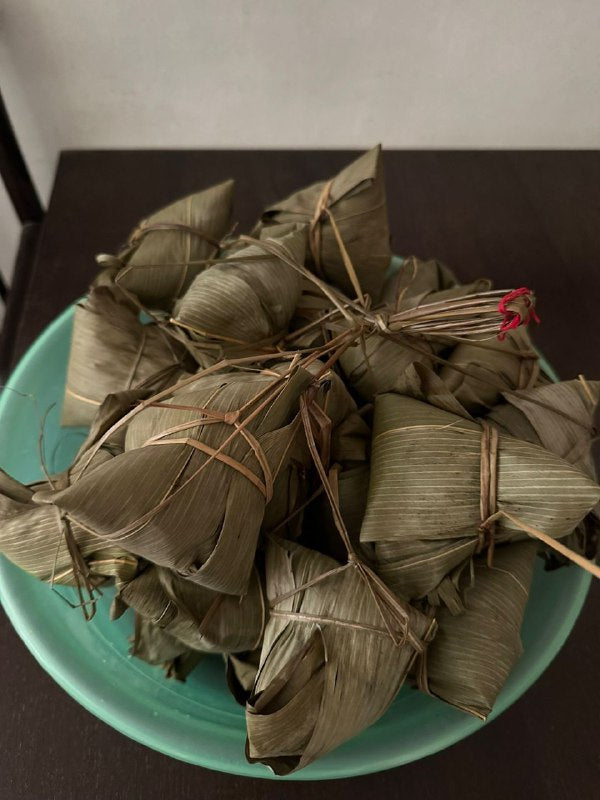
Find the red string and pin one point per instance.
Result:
(512, 319)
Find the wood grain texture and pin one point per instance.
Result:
(521, 217)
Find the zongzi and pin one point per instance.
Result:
(167, 250)
(348, 223)
(473, 653)
(435, 482)
(112, 351)
(328, 667)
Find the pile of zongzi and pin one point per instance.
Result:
(333, 468)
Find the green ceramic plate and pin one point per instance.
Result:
(198, 721)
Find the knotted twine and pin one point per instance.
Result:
(513, 318)
(473, 315)
(209, 416)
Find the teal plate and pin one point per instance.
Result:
(198, 721)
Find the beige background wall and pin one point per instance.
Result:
(296, 73)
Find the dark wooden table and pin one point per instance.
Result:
(528, 218)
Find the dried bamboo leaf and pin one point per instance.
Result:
(345, 439)
(240, 672)
(378, 361)
(417, 278)
(198, 617)
(112, 351)
(290, 491)
(246, 299)
(158, 648)
(154, 645)
(36, 537)
(166, 250)
(487, 368)
(112, 409)
(319, 531)
(328, 666)
(472, 654)
(152, 499)
(307, 326)
(424, 505)
(422, 383)
(560, 417)
(355, 199)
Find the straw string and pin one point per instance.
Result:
(223, 458)
(228, 418)
(488, 486)
(133, 527)
(138, 357)
(314, 231)
(301, 616)
(475, 315)
(587, 565)
(84, 586)
(147, 227)
(514, 317)
(393, 614)
(321, 213)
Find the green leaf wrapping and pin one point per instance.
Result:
(240, 672)
(560, 417)
(166, 251)
(473, 653)
(33, 534)
(198, 617)
(417, 278)
(357, 202)
(319, 531)
(377, 362)
(488, 368)
(247, 298)
(158, 648)
(152, 499)
(423, 509)
(328, 667)
(112, 351)
(296, 483)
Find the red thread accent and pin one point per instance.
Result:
(512, 319)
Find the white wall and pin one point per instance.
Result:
(9, 237)
(299, 73)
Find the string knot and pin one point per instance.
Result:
(381, 322)
(514, 318)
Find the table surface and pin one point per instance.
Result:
(523, 218)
